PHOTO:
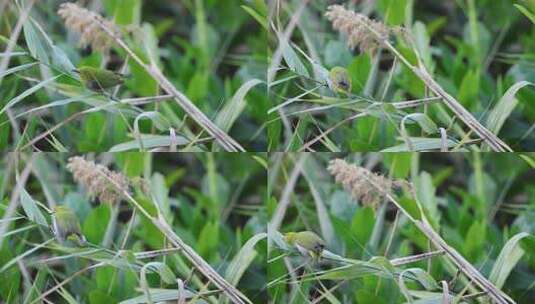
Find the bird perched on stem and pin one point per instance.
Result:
(307, 242)
(339, 80)
(66, 226)
(98, 79)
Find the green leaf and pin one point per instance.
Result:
(291, 58)
(421, 144)
(362, 225)
(393, 11)
(42, 48)
(132, 164)
(510, 255)
(411, 207)
(469, 89)
(526, 12)
(95, 224)
(359, 70)
(232, 109)
(422, 41)
(422, 120)
(17, 69)
(161, 269)
(149, 141)
(27, 93)
(39, 45)
(127, 12)
(261, 19)
(243, 259)
(208, 239)
(475, 240)
(161, 295)
(31, 209)
(358, 269)
(399, 164)
(98, 296)
(505, 107)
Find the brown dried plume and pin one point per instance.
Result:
(365, 186)
(98, 180)
(84, 22)
(361, 31)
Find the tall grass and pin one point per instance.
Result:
(159, 227)
(402, 227)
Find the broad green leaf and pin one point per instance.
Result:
(27, 93)
(161, 269)
(359, 69)
(510, 255)
(259, 18)
(232, 109)
(362, 226)
(505, 107)
(150, 141)
(398, 164)
(94, 226)
(469, 89)
(31, 209)
(526, 12)
(17, 69)
(291, 58)
(243, 259)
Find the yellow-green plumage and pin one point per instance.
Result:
(339, 80)
(99, 79)
(307, 242)
(66, 225)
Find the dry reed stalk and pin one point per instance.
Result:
(423, 225)
(416, 258)
(97, 22)
(360, 28)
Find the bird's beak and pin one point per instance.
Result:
(76, 71)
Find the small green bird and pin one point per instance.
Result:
(98, 79)
(307, 242)
(339, 80)
(66, 226)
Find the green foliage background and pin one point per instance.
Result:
(213, 201)
(476, 202)
(476, 50)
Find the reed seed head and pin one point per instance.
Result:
(99, 182)
(361, 31)
(365, 186)
(86, 23)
